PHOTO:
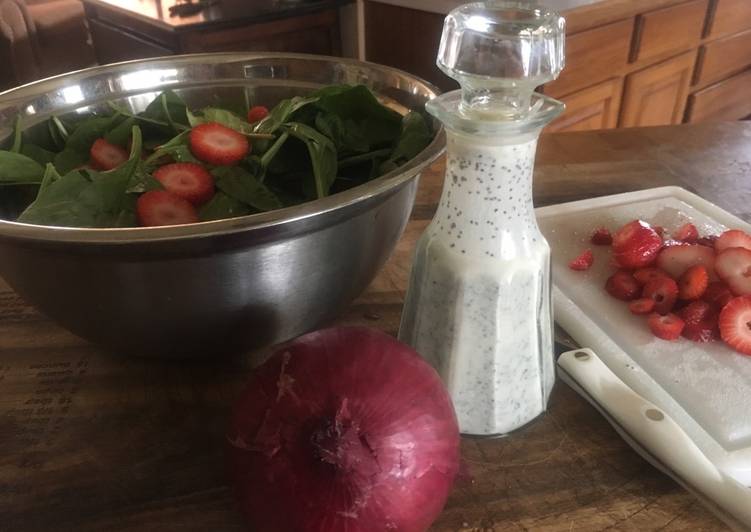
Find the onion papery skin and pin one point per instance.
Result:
(343, 430)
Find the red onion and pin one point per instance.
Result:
(344, 429)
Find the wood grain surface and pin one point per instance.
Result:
(90, 441)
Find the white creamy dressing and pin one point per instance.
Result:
(478, 305)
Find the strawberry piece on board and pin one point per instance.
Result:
(159, 207)
(636, 245)
(701, 321)
(190, 181)
(733, 238)
(644, 305)
(687, 233)
(601, 237)
(216, 144)
(583, 261)
(644, 275)
(693, 282)
(664, 291)
(735, 324)
(733, 266)
(257, 113)
(622, 285)
(668, 327)
(675, 260)
(717, 294)
(106, 156)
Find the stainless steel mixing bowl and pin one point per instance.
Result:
(209, 288)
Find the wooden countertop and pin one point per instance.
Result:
(95, 442)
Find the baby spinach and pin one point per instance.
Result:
(244, 187)
(222, 206)
(322, 155)
(16, 168)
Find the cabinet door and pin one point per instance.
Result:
(592, 108)
(726, 100)
(657, 95)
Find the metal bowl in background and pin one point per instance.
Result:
(209, 288)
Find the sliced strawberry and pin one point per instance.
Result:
(687, 233)
(733, 266)
(677, 259)
(190, 181)
(216, 144)
(693, 282)
(644, 305)
(668, 327)
(636, 245)
(106, 156)
(733, 238)
(601, 237)
(622, 285)
(583, 261)
(644, 275)
(701, 321)
(708, 240)
(717, 294)
(664, 291)
(735, 324)
(257, 113)
(159, 207)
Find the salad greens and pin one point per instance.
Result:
(306, 148)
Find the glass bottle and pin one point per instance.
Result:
(478, 305)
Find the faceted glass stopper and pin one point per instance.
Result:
(499, 52)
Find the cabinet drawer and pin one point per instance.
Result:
(593, 56)
(727, 100)
(657, 95)
(592, 108)
(719, 59)
(729, 16)
(672, 29)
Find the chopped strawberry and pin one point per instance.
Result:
(257, 113)
(735, 324)
(159, 207)
(622, 285)
(644, 305)
(216, 144)
(636, 245)
(717, 294)
(644, 275)
(708, 240)
(734, 238)
(687, 233)
(701, 321)
(190, 181)
(693, 282)
(601, 237)
(733, 266)
(664, 291)
(677, 259)
(106, 156)
(583, 261)
(668, 327)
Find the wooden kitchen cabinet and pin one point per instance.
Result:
(666, 31)
(592, 108)
(722, 58)
(657, 95)
(729, 99)
(728, 17)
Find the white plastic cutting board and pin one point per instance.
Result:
(705, 388)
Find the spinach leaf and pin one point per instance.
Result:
(222, 206)
(415, 136)
(120, 134)
(322, 155)
(282, 113)
(16, 147)
(87, 198)
(16, 168)
(346, 135)
(78, 144)
(226, 118)
(177, 148)
(58, 133)
(167, 108)
(243, 186)
(40, 155)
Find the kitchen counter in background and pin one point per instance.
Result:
(628, 62)
(92, 441)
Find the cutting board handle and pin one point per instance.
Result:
(662, 441)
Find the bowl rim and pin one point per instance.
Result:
(265, 220)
